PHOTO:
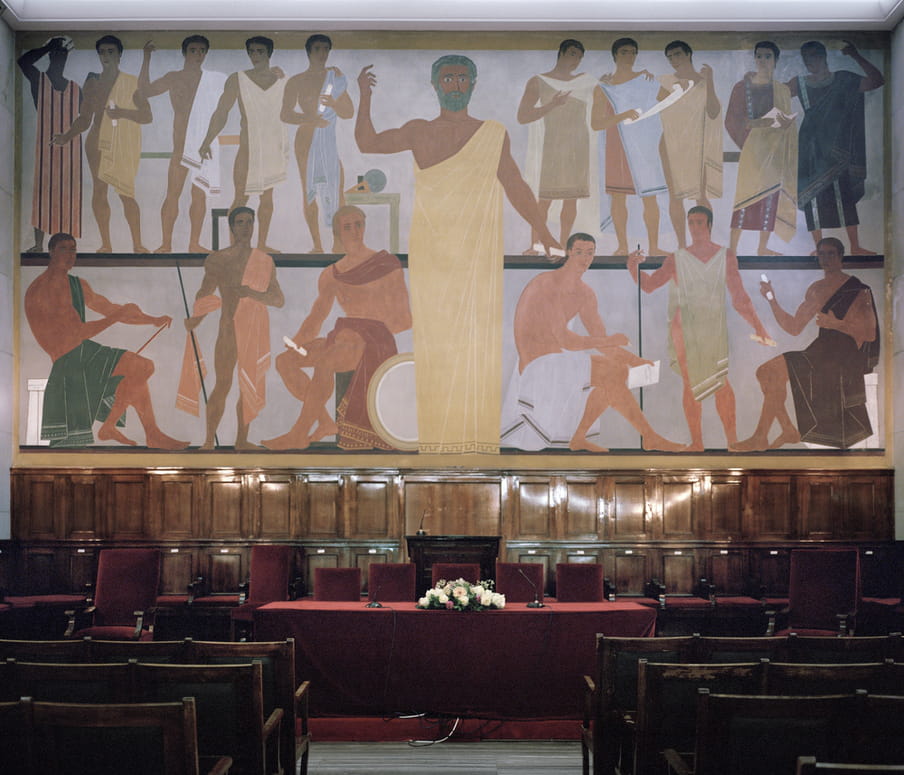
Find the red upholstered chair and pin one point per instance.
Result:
(823, 591)
(392, 582)
(450, 571)
(514, 586)
(579, 582)
(124, 597)
(337, 583)
(269, 578)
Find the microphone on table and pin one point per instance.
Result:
(536, 603)
(375, 603)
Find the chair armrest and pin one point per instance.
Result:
(220, 767)
(272, 723)
(73, 615)
(243, 590)
(195, 589)
(139, 624)
(589, 697)
(296, 588)
(676, 762)
(301, 705)
(609, 589)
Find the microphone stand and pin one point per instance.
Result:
(375, 603)
(537, 603)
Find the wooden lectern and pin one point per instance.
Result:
(424, 550)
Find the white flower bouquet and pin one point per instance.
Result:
(461, 595)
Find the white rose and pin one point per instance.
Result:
(486, 599)
(443, 598)
(424, 602)
(479, 590)
(498, 600)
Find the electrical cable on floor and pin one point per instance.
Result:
(423, 743)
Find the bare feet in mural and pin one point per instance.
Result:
(108, 432)
(580, 444)
(653, 442)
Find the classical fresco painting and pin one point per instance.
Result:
(437, 244)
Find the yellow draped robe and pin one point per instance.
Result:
(119, 140)
(455, 261)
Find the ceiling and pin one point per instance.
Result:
(456, 14)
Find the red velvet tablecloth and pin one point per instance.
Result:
(510, 664)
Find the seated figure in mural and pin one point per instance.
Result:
(193, 93)
(698, 277)
(633, 164)
(112, 110)
(831, 168)
(691, 145)
(760, 121)
(826, 378)
(369, 287)
(56, 203)
(556, 106)
(322, 94)
(245, 279)
(260, 163)
(88, 382)
(566, 380)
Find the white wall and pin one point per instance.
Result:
(7, 134)
(897, 257)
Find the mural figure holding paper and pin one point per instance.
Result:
(567, 380)
(455, 255)
(826, 378)
(698, 277)
(56, 204)
(832, 153)
(369, 287)
(633, 163)
(260, 163)
(245, 279)
(89, 382)
(760, 121)
(691, 145)
(193, 94)
(556, 105)
(321, 93)
(112, 112)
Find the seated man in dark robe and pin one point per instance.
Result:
(370, 289)
(827, 377)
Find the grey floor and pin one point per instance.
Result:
(523, 757)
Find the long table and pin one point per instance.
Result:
(515, 663)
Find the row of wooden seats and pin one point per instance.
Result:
(86, 739)
(611, 698)
(280, 695)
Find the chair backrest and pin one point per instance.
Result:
(450, 571)
(511, 581)
(337, 583)
(808, 765)
(127, 581)
(831, 648)
(139, 739)
(667, 704)
(271, 572)
(138, 650)
(578, 582)
(877, 733)
(823, 583)
(14, 740)
(68, 682)
(764, 734)
(46, 650)
(392, 582)
(843, 678)
(718, 648)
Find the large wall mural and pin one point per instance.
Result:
(421, 244)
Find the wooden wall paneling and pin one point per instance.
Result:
(724, 498)
(224, 568)
(820, 505)
(85, 512)
(39, 572)
(629, 507)
(539, 555)
(770, 511)
(372, 507)
(582, 507)
(174, 505)
(322, 556)
(224, 512)
(728, 570)
(364, 556)
(454, 505)
(867, 513)
(322, 506)
(631, 570)
(36, 516)
(274, 510)
(127, 507)
(680, 506)
(678, 570)
(534, 507)
(178, 568)
(80, 566)
(772, 569)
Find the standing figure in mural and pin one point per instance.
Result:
(455, 256)
(112, 111)
(831, 167)
(260, 163)
(698, 331)
(193, 94)
(88, 382)
(245, 279)
(321, 93)
(826, 378)
(633, 164)
(369, 287)
(556, 105)
(56, 203)
(566, 380)
(760, 122)
(691, 136)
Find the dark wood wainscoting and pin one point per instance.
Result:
(735, 529)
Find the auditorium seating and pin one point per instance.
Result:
(392, 582)
(269, 580)
(579, 582)
(337, 584)
(520, 582)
